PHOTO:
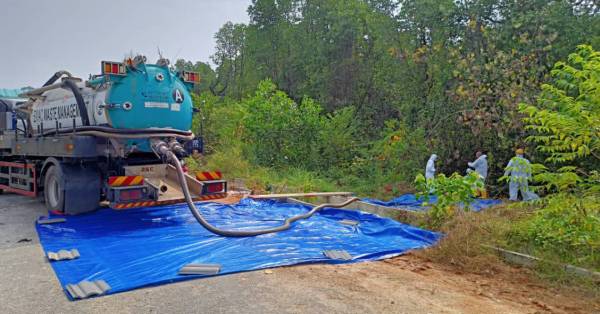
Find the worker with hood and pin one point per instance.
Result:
(480, 165)
(519, 172)
(430, 168)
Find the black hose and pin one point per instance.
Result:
(239, 233)
(85, 119)
(55, 77)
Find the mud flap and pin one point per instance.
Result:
(82, 188)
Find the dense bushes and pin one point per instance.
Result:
(270, 130)
(565, 121)
(566, 227)
(456, 70)
(279, 132)
(565, 128)
(385, 166)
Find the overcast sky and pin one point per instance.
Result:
(37, 38)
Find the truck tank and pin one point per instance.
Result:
(129, 95)
(149, 96)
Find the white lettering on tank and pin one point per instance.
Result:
(178, 96)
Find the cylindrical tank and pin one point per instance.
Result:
(139, 97)
(150, 96)
(147, 96)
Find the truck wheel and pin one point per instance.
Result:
(54, 192)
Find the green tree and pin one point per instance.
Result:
(278, 131)
(565, 120)
(229, 58)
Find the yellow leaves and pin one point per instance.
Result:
(460, 90)
(472, 24)
(573, 147)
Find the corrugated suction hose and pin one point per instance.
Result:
(238, 233)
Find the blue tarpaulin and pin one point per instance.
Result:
(411, 202)
(147, 246)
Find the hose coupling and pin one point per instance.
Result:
(176, 147)
(160, 148)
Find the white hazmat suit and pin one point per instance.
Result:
(430, 168)
(519, 170)
(480, 165)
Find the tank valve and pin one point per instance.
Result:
(160, 148)
(176, 147)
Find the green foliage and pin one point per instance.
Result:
(567, 225)
(450, 192)
(564, 127)
(232, 162)
(218, 121)
(454, 69)
(563, 179)
(230, 44)
(565, 120)
(279, 132)
(400, 151)
(368, 88)
(384, 167)
(338, 139)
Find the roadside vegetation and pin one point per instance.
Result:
(356, 95)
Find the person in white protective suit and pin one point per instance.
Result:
(480, 165)
(519, 170)
(430, 168)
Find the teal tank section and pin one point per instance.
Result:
(149, 96)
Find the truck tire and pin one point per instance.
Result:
(54, 191)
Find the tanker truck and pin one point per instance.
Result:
(113, 139)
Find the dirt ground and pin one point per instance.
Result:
(410, 284)
(405, 284)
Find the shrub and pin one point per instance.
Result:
(218, 122)
(450, 191)
(566, 228)
(277, 131)
(566, 118)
